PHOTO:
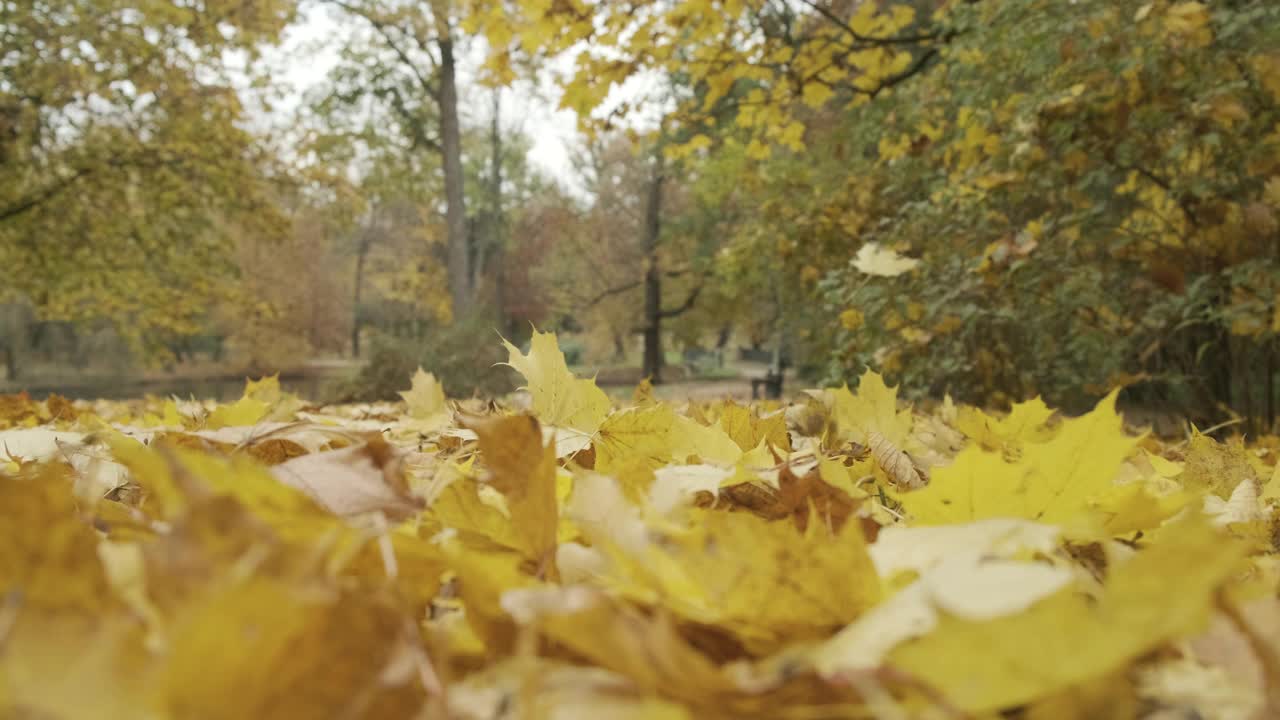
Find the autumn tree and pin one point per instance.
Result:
(624, 264)
(768, 62)
(290, 302)
(503, 186)
(406, 60)
(759, 67)
(1092, 191)
(126, 162)
(379, 192)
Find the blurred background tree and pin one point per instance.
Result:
(992, 199)
(127, 170)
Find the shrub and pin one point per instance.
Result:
(464, 357)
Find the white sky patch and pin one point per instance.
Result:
(310, 49)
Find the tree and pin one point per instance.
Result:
(1133, 143)
(408, 64)
(620, 251)
(764, 68)
(126, 165)
(769, 61)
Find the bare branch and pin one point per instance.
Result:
(619, 289)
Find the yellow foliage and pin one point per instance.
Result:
(524, 471)
(1051, 481)
(1189, 22)
(1026, 422)
(245, 411)
(752, 576)
(873, 409)
(852, 319)
(642, 433)
(720, 561)
(558, 397)
(1086, 638)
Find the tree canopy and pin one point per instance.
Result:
(127, 164)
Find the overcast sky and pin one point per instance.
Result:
(310, 50)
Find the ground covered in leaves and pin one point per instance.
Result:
(561, 557)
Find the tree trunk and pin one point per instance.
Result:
(497, 236)
(652, 367)
(455, 200)
(10, 363)
(357, 317)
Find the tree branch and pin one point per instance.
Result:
(48, 193)
(419, 134)
(618, 290)
(381, 28)
(915, 69)
(894, 40)
(685, 306)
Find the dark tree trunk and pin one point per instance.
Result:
(455, 200)
(10, 363)
(497, 223)
(357, 317)
(652, 366)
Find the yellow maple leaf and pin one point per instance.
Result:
(425, 396)
(1164, 592)
(462, 506)
(46, 552)
(1024, 423)
(641, 435)
(752, 576)
(282, 405)
(304, 637)
(1215, 468)
(523, 469)
(1051, 481)
(559, 398)
(646, 648)
(1136, 506)
(1110, 697)
(748, 428)
(428, 410)
(873, 409)
(245, 411)
(483, 577)
(707, 443)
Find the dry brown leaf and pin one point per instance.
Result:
(895, 463)
(353, 481)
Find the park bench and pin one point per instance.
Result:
(771, 381)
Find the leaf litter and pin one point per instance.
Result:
(843, 555)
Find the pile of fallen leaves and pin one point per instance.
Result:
(838, 557)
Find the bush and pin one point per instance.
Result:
(464, 358)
